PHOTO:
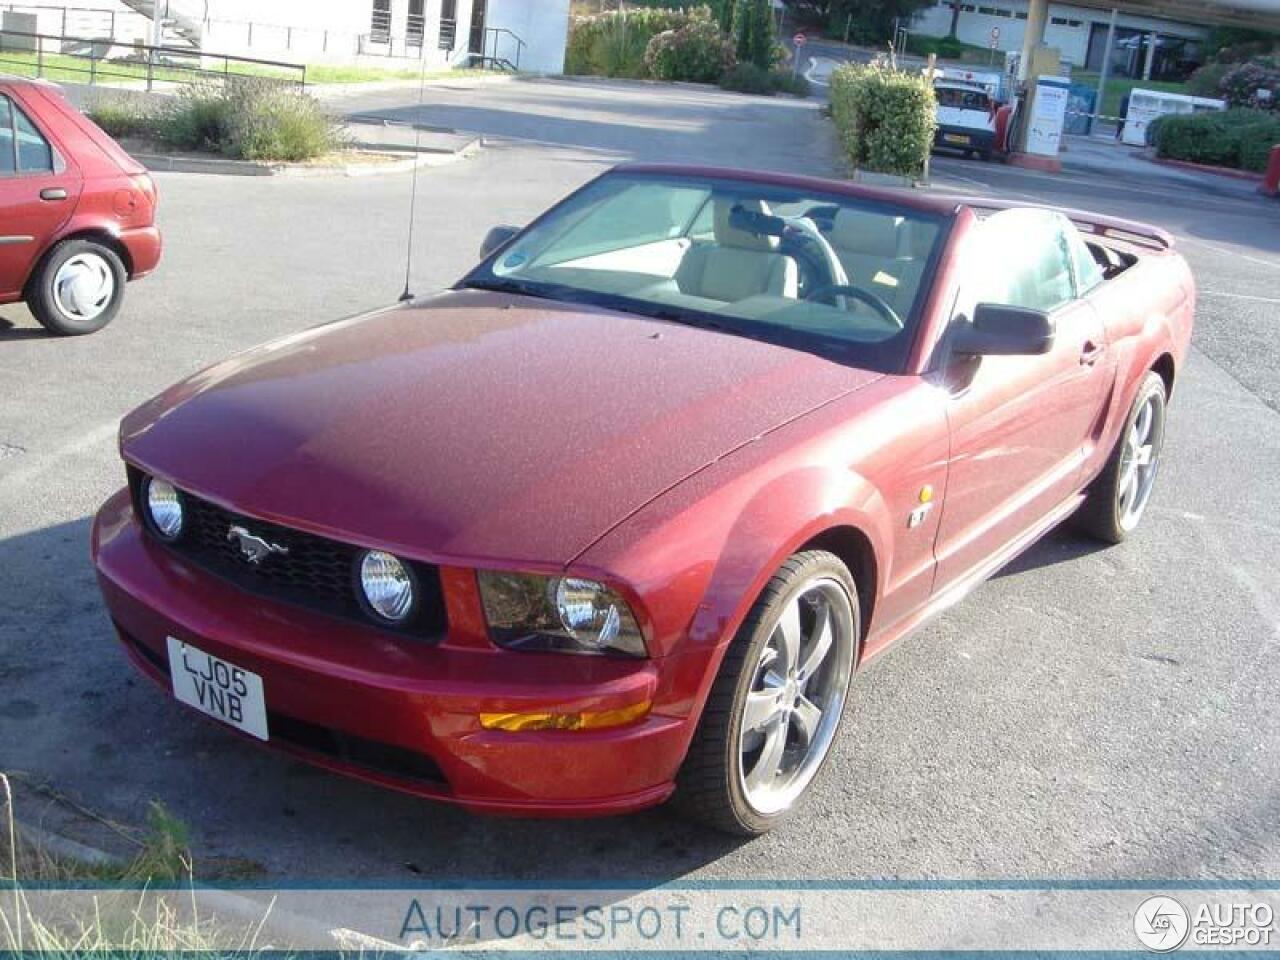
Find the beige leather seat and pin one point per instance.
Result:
(739, 264)
(867, 245)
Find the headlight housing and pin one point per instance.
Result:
(164, 508)
(565, 614)
(387, 586)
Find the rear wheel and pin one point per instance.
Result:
(776, 704)
(77, 288)
(1119, 497)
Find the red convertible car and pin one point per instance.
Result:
(618, 516)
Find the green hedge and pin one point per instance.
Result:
(885, 118)
(613, 44)
(697, 52)
(1240, 138)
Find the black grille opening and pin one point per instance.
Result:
(372, 755)
(315, 573)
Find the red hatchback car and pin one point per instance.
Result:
(76, 212)
(619, 515)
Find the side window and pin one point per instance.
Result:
(1020, 258)
(34, 153)
(8, 159)
(1088, 271)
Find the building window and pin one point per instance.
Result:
(380, 21)
(415, 24)
(448, 24)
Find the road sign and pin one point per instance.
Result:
(995, 37)
(799, 39)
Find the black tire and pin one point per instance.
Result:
(708, 788)
(43, 299)
(1102, 514)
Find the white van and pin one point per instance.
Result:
(966, 117)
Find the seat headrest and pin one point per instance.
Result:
(917, 240)
(727, 235)
(860, 231)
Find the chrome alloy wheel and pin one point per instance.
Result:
(83, 286)
(792, 710)
(1139, 462)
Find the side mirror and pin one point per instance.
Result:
(496, 238)
(999, 331)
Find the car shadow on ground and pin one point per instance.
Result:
(10, 330)
(1061, 545)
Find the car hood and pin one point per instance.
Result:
(474, 426)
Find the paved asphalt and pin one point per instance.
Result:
(1090, 713)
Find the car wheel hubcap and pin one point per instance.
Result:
(83, 286)
(797, 694)
(1139, 463)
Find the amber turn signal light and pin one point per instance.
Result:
(590, 720)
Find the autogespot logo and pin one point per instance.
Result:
(1161, 924)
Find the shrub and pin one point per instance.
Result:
(748, 78)
(198, 118)
(697, 52)
(123, 117)
(1240, 85)
(250, 119)
(1206, 81)
(1235, 138)
(885, 118)
(613, 44)
(271, 122)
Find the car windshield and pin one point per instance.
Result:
(836, 275)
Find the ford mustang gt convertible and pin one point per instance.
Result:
(616, 518)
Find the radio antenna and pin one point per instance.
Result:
(413, 190)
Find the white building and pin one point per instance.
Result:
(1079, 34)
(528, 34)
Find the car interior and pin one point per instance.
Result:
(808, 264)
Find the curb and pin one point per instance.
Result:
(1232, 172)
(249, 168)
(277, 923)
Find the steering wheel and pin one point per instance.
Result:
(872, 300)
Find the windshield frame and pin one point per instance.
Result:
(890, 356)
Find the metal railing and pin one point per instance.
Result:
(88, 59)
(491, 59)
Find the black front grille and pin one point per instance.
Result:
(315, 572)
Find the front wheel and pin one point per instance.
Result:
(775, 707)
(77, 288)
(1118, 498)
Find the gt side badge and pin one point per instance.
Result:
(916, 517)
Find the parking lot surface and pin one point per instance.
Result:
(1089, 713)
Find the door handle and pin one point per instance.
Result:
(1091, 352)
(53, 193)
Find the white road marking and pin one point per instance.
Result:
(1226, 252)
(1238, 296)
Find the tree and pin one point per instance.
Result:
(754, 33)
(872, 20)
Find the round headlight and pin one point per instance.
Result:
(165, 507)
(588, 610)
(387, 586)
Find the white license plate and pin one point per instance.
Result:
(954, 138)
(220, 689)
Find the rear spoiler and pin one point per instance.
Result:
(1090, 224)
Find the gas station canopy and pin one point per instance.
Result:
(1258, 14)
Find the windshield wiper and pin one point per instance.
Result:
(524, 288)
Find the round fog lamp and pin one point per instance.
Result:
(165, 507)
(387, 586)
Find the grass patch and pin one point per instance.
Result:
(1117, 87)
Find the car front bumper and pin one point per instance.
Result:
(401, 712)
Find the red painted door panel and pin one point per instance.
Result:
(38, 193)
